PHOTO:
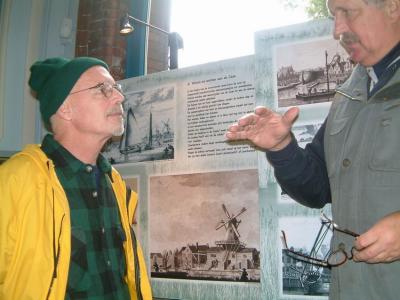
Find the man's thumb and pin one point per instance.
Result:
(290, 116)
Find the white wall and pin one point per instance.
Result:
(30, 31)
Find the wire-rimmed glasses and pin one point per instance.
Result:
(332, 259)
(106, 88)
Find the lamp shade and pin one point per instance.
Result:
(125, 26)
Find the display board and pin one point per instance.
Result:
(211, 212)
(198, 216)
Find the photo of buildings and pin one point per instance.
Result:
(218, 237)
(312, 79)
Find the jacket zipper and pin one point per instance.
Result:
(134, 248)
(56, 249)
(56, 253)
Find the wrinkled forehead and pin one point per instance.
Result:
(332, 5)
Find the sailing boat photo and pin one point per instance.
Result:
(148, 136)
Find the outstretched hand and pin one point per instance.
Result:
(381, 243)
(264, 128)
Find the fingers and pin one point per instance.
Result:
(249, 119)
(265, 128)
(290, 116)
(365, 240)
(366, 248)
(375, 253)
(236, 132)
(230, 136)
(232, 131)
(370, 254)
(239, 130)
(234, 128)
(262, 111)
(381, 243)
(259, 112)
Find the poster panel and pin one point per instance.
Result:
(197, 218)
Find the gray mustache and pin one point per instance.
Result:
(348, 38)
(115, 110)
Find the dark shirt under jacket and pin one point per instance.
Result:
(302, 173)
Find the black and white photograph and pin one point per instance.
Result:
(149, 118)
(205, 226)
(305, 133)
(309, 237)
(308, 72)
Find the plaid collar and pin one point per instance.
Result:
(62, 158)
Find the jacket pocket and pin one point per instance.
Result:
(338, 125)
(385, 150)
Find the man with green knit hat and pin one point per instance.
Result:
(65, 222)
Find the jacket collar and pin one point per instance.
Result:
(43, 163)
(355, 88)
(71, 166)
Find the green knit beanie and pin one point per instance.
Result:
(53, 79)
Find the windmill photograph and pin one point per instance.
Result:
(205, 226)
(231, 244)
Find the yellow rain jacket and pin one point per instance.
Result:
(35, 231)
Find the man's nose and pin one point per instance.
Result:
(341, 25)
(117, 96)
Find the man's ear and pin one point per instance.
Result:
(392, 8)
(65, 111)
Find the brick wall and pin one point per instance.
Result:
(98, 34)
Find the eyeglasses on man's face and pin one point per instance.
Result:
(333, 259)
(106, 88)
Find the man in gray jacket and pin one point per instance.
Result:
(354, 160)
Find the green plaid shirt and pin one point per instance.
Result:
(97, 264)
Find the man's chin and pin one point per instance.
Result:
(118, 132)
(354, 55)
(362, 59)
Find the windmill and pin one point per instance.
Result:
(167, 127)
(166, 132)
(231, 244)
